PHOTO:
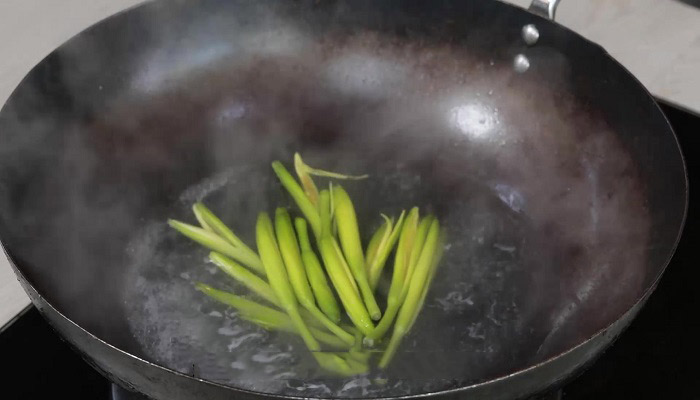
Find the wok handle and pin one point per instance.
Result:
(544, 8)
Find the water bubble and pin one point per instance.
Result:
(284, 376)
(236, 342)
(229, 331)
(238, 365)
(268, 358)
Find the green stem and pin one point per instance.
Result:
(327, 174)
(295, 269)
(351, 300)
(416, 292)
(349, 236)
(317, 278)
(390, 351)
(401, 260)
(433, 269)
(289, 248)
(380, 235)
(357, 363)
(217, 226)
(202, 221)
(325, 210)
(307, 182)
(244, 306)
(266, 317)
(279, 281)
(346, 267)
(418, 242)
(384, 324)
(260, 287)
(217, 243)
(376, 266)
(394, 303)
(356, 350)
(244, 276)
(335, 329)
(287, 326)
(336, 364)
(305, 205)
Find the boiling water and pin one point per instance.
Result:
(472, 323)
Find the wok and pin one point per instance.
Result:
(560, 183)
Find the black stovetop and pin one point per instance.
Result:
(653, 359)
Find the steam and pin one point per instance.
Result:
(544, 211)
(509, 291)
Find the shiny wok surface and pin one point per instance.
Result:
(562, 188)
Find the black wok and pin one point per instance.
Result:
(559, 181)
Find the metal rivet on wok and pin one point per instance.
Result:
(530, 34)
(521, 63)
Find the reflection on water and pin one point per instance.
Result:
(474, 119)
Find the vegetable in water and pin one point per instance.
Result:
(297, 273)
(306, 206)
(217, 243)
(380, 246)
(325, 210)
(304, 173)
(287, 272)
(416, 292)
(279, 281)
(401, 261)
(317, 278)
(354, 306)
(349, 236)
(244, 276)
(211, 222)
(266, 317)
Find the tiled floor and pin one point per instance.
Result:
(658, 40)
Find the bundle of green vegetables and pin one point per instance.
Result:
(288, 274)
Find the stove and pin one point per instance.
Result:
(653, 359)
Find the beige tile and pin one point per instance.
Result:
(29, 30)
(657, 40)
(680, 81)
(645, 41)
(12, 297)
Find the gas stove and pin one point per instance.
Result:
(653, 359)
